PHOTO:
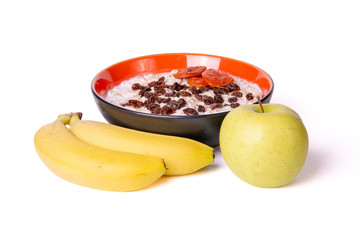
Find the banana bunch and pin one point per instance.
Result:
(108, 157)
(181, 155)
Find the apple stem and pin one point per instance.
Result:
(261, 106)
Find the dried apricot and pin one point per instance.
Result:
(215, 78)
(197, 82)
(189, 72)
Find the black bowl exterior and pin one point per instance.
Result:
(202, 128)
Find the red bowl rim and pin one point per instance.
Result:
(98, 97)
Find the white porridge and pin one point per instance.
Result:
(166, 95)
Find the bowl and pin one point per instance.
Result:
(204, 128)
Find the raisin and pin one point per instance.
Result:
(190, 111)
(232, 99)
(148, 94)
(133, 103)
(160, 80)
(184, 86)
(237, 94)
(162, 100)
(216, 105)
(135, 86)
(233, 87)
(249, 96)
(153, 107)
(150, 105)
(189, 72)
(193, 90)
(156, 111)
(224, 89)
(136, 103)
(151, 84)
(152, 99)
(184, 94)
(202, 89)
(216, 90)
(173, 104)
(166, 110)
(176, 87)
(159, 89)
(181, 103)
(207, 99)
(234, 105)
(144, 89)
(201, 108)
(218, 98)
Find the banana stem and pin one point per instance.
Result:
(63, 118)
(75, 117)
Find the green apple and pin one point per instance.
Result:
(264, 145)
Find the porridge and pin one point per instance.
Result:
(188, 91)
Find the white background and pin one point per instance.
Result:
(51, 50)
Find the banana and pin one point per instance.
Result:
(181, 155)
(91, 166)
